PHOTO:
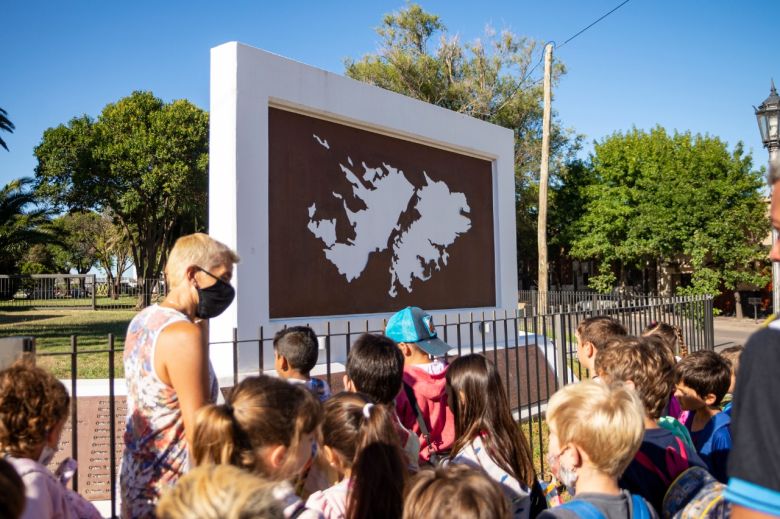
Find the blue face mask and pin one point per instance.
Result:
(215, 299)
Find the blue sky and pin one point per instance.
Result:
(685, 64)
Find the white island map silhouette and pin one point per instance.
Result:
(418, 249)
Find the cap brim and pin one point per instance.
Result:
(434, 346)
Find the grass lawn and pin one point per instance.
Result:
(52, 329)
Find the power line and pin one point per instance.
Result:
(594, 23)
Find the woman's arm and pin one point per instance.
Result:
(181, 361)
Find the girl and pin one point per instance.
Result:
(33, 410)
(487, 436)
(266, 426)
(361, 444)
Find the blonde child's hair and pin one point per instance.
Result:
(454, 490)
(259, 412)
(32, 403)
(198, 249)
(605, 422)
(732, 355)
(220, 492)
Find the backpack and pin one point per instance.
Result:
(674, 426)
(695, 494)
(676, 462)
(638, 509)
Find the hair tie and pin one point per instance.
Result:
(228, 408)
(367, 410)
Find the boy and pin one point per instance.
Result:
(702, 379)
(662, 456)
(595, 431)
(731, 355)
(295, 353)
(422, 405)
(375, 367)
(593, 334)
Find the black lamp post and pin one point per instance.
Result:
(768, 116)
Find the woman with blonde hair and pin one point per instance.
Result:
(169, 376)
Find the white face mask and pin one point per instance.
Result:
(565, 475)
(47, 454)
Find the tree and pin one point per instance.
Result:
(655, 197)
(6, 125)
(76, 231)
(22, 223)
(490, 80)
(112, 250)
(144, 160)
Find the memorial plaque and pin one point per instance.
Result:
(94, 445)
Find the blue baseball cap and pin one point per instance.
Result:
(415, 325)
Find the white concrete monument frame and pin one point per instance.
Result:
(245, 82)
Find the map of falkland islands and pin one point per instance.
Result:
(418, 248)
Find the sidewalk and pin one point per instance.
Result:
(730, 331)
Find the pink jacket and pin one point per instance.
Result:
(429, 390)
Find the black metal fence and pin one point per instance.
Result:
(535, 354)
(78, 291)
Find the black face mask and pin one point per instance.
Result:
(215, 299)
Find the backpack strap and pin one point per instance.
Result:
(420, 420)
(638, 508)
(647, 463)
(583, 509)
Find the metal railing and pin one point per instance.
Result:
(78, 291)
(535, 354)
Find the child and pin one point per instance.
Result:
(295, 355)
(375, 367)
(595, 431)
(731, 354)
(265, 426)
(662, 456)
(217, 492)
(592, 335)
(487, 436)
(33, 410)
(422, 406)
(361, 444)
(671, 335)
(702, 379)
(454, 491)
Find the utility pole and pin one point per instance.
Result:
(543, 181)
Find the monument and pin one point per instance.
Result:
(347, 202)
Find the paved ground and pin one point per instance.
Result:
(730, 331)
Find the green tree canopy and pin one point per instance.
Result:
(142, 159)
(651, 197)
(490, 79)
(5, 125)
(22, 223)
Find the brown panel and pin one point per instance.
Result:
(303, 172)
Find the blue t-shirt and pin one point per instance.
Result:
(661, 458)
(713, 443)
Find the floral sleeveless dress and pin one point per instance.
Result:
(155, 455)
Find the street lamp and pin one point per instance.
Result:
(768, 116)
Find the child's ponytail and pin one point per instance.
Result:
(363, 435)
(214, 438)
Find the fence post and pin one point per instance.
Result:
(235, 356)
(560, 350)
(112, 425)
(94, 292)
(74, 409)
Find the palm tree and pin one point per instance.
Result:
(22, 222)
(5, 125)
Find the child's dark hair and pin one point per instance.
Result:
(484, 412)
(299, 345)
(671, 335)
(12, 499)
(705, 372)
(454, 491)
(363, 435)
(260, 411)
(599, 330)
(32, 403)
(375, 366)
(644, 361)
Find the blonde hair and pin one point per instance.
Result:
(196, 249)
(220, 492)
(607, 423)
(260, 412)
(454, 491)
